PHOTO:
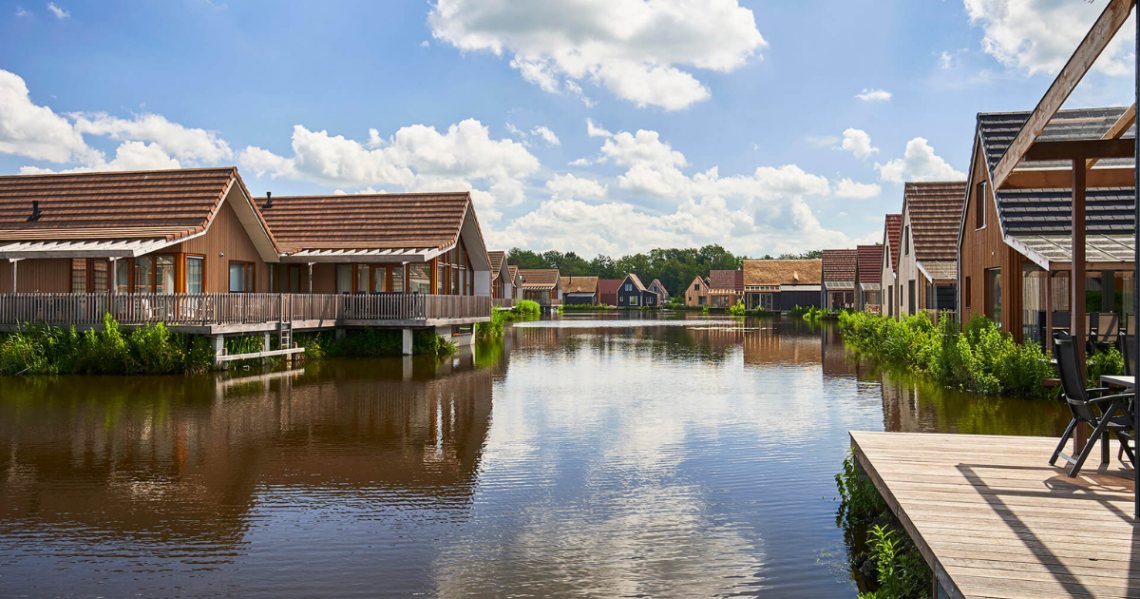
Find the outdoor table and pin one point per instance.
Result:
(1118, 380)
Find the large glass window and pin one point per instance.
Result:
(164, 274)
(294, 279)
(1033, 279)
(397, 279)
(99, 276)
(79, 275)
(441, 278)
(344, 278)
(144, 273)
(419, 278)
(241, 277)
(195, 274)
(362, 275)
(993, 295)
(123, 276)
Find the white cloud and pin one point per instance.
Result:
(20, 12)
(1039, 36)
(57, 11)
(822, 141)
(919, 163)
(593, 130)
(196, 146)
(416, 158)
(581, 162)
(846, 188)
(547, 135)
(858, 143)
(425, 44)
(636, 49)
(37, 132)
(565, 187)
(873, 95)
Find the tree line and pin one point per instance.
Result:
(675, 268)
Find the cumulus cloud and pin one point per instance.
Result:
(196, 146)
(593, 130)
(20, 12)
(858, 143)
(416, 158)
(638, 50)
(564, 187)
(846, 188)
(37, 132)
(919, 163)
(57, 11)
(873, 95)
(1039, 36)
(547, 135)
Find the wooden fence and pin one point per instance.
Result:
(201, 309)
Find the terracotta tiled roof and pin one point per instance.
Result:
(870, 262)
(512, 271)
(782, 272)
(727, 279)
(381, 221)
(545, 278)
(166, 205)
(609, 286)
(497, 258)
(580, 285)
(935, 211)
(839, 265)
(894, 229)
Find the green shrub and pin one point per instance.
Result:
(901, 571)
(738, 309)
(494, 328)
(1102, 363)
(527, 307)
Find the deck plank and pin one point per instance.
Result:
(994, 520)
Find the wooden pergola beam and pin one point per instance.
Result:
(1124, 176)
(1116, 131)
(1071, 74)
(1082, 149)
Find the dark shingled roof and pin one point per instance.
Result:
(726, 279)
(894, 229)
(1049, 211)
(839, 265)
(935, 211)
(870, 262)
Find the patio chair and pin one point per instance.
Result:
(1107, 330)
(1105, 414)
(1126, 345)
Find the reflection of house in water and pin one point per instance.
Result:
(787, 345)
(189, 457)
(836, 361)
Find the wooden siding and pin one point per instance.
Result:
(908, 271)
(983, 249)
(692, 297)
(226, 240)
(48, 275)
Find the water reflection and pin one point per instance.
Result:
(620, 455)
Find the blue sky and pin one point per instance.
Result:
(723, 121)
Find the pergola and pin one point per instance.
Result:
(1070, 164)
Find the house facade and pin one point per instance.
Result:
(781, 285)
(632, 293)
(697, 293)
(542, 285)
(892, 228)
(608, 291)
(580, 291)
(502, 284)
(838, 287)
(726, 288)
(868, 278)
(1014, 249)
(927, 266)
(662, 294)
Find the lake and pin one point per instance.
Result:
(609, 455)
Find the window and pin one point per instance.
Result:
(144, 269)
(980, 206)
(294, 278)
(697, 287)
(993, 295)
(906, 241)
(397, 279)
(195, 271)
(968, 294)
(79, 275)
(344, 278)
(632, 300)
(629, 286)
(123, 276)
(164, 274)
(241, 277)
(362, 277)
(419, 278)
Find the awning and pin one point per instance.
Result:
(939, 270)
(1045, 249)
(363, 255)
(840, 285)
(100, 248)
(870, 286)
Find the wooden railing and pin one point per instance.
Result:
(64, 309)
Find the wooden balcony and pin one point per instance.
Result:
(213, 313)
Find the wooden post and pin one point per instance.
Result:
(1048, 335)
(310, 277)
(1077, 282)
(14, 262)
(114, 276)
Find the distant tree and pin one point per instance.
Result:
(526, 259)
(809, 255)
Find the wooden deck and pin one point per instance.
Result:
(993, 519)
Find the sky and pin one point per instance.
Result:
(594, 126)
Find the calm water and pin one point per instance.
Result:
(583, 458)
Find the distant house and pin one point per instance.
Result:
(927, 266)
(608, 291)
(839, 266)
(580, 291)
(697, 293)
(868, 278)
(892, 229)
(515, 282)
(501, 282)
(542, 285)
(659, 289)
(781, 285)
(632, 293)
(726, 288)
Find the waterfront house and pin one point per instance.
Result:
(157, 232)
(515, 281)
(868, 278)
(838, 287)
(662, 294)
(608, 291)
(726, 288)
(927, 274)
(781, 285)
(1015, 248)
(502, 285)
(582, 291)
(697, 293)
(542, 285)
(892, 228)
(632, 293)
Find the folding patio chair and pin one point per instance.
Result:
(1105, 414)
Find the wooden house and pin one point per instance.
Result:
(927, 272)
(632, 293)
(542, 285)
(502, 285)
(608, 291)
(160, 232)
(1015, 248)
(781, 285)
(582, 291)
(515, 290)
(726, 288)
(868, 278)
(892, 228)
(659, 288)
(697, 293)
(838, 287)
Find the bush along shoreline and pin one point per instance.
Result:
(980, 358)
(524, 310)
(158, 350)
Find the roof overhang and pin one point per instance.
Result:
(394, 255)
(870, 286)
(1054, 251)
(97, 248)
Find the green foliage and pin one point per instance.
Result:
(588, 308)
(738, 309)
(1104, 362)
(902, 573)
(812, 314)
(427, 342)
(371, 343)
(860, 499)
(981, 358)
(494, 328)
(705, 309)
(527, 307)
